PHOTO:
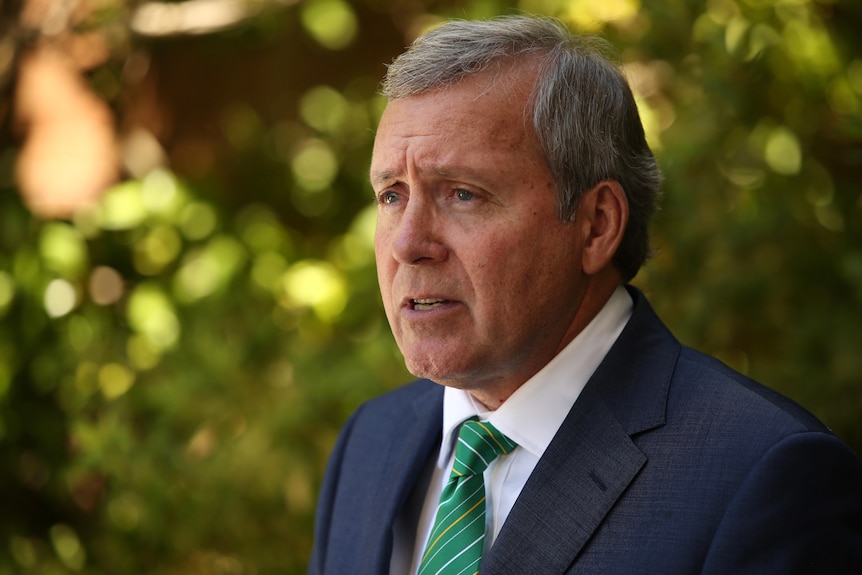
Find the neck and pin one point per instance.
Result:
(598, 292)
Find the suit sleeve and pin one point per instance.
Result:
(799, 511)
(326, 500)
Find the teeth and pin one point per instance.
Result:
(426, 304)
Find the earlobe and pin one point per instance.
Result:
(607, 214)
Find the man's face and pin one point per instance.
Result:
(481, 281)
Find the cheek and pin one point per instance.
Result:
(532, 264)
(382, 242)
(503, 263)
(385, 273)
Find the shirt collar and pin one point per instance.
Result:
(533, 414)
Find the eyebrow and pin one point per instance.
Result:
(381, 177)
(457, 173)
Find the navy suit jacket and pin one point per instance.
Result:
(669, 463)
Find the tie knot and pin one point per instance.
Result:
(479, 443)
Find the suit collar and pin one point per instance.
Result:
(592, 459)
(634, 378)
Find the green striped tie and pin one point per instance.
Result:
(455, 544)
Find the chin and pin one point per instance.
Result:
(428, 369)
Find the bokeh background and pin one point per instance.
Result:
(188, 302)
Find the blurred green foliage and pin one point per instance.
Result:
(176, 362)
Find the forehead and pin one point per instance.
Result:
(483, 115)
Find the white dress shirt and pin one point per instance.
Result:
(530, 417)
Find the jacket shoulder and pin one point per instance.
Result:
(703, 383)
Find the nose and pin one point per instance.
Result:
(418, 235)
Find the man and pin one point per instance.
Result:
(515, 189)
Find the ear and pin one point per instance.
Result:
(605, 212)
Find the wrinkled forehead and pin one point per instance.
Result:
(480, 119)
(497, 101)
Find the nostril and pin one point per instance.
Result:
(413, 248)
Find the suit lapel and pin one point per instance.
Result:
(592, 458)
(579, 478)
(407, 453)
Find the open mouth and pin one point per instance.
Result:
(426, 304)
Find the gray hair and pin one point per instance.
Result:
(583, 110)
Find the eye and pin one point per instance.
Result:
(387, 197)
(464, 195)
